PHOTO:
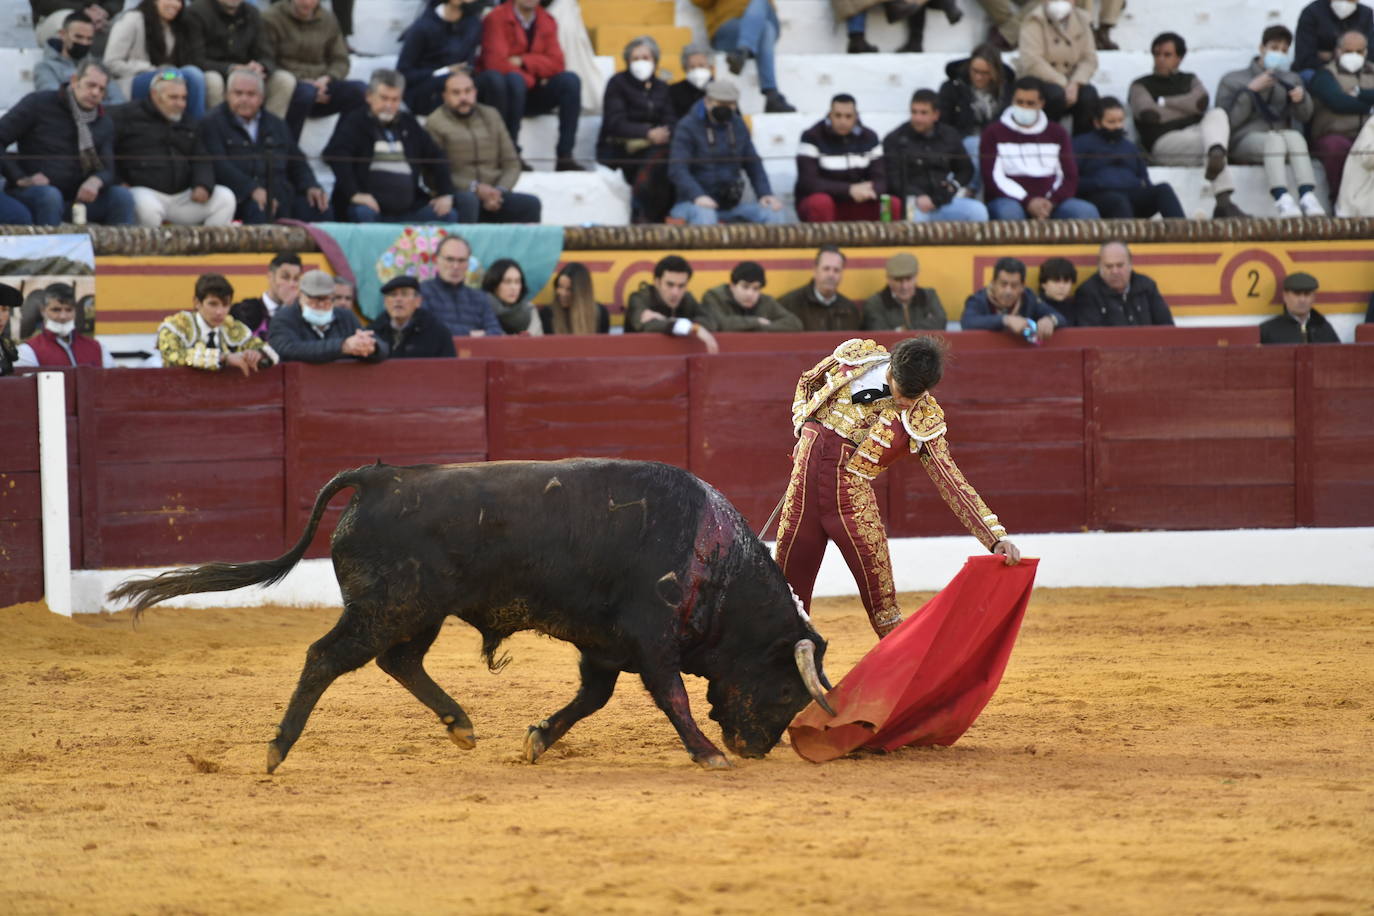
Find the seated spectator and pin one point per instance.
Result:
(208, 337)
(62, 55)
(65, 152)
(976, 93)
(1321, 25)
(379, 155)
(928, 166)
(283, 288)
(61, 342)
(855, 15)
(840, 173)
(901, 305)
(697, 70)
(12, 211)
(1112, 174)
(711, 147)
(1028, 165)
(1343, 96)
(231, 34)
(49, 17)
(1006, 19)
(1057, 48)
(504, 282)
(1006, 305)
(636, 127)
(161, 155)
(307, 42)
(256, 157)
(1267, 105)
(1117, 296)
(1357, 185)
(313, 331)
(745, 29)
(522, 74)
(442, 42)
(150, 40)
(819, 304)
(742, 305)
(482, 160)
(1300, 322)
(1175, 125)
(1057, 279)
(10, 299)
(465, 311)
(411, 332)
(666, 307)
(575, 309)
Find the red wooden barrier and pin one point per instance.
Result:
(1336, 446)
(338, 416)
(21, 509)
(1364, 333)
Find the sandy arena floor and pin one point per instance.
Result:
(1174, 750)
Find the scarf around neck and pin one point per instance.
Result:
(90, 159)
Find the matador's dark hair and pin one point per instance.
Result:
(918, 363)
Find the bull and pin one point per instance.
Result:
(642, 566)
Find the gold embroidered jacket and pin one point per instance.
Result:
(181, 342)
(882, 433)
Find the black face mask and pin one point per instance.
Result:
(722, 114)
(1112, 136)
(76, 52)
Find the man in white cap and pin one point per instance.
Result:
(314, 331)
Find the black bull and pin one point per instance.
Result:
(640, 565)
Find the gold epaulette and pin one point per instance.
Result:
(924, 421)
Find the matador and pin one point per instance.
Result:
(855, 412)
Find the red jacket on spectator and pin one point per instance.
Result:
(50, 353)
(504, 37)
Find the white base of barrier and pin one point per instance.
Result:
(1145, 559)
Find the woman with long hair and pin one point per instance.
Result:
(504, 281)
(575, 309)
(977, 91)
(151, 39)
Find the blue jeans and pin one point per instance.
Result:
(113, 206)
(508, 94)
(742, 213)
(344, 96)
(756, 32)
(971, 146)
(195, 88)
(857, 24)
(13, 212)
(959, 210)
(424, 214)
(1073, 208)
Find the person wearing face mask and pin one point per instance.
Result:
(697, 71)
(482, 158)
(636, 127)
(1343, 95)
(314, 331)
(1057, 48)
(1267, 105)
(1029, 171)
(443, 41)
(62, 54)
(1112, 174)
(1320, 26)
(60, 343)
(386, 168)
(711, 153)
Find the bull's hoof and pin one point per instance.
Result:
(534, 743)
(714, 762)
(463, 737)
(274, 757)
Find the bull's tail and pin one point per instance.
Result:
(222, 577)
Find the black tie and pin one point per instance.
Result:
(212, 342)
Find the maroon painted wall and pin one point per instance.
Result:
(176, 466)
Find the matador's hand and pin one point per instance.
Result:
(1008, 551)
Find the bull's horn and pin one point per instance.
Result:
(805, 654)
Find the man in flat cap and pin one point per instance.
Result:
(314, 331)
(1300, 322)
(902, 305)
(411, 331)
(711, 148)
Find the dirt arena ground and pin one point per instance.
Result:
(1173, 750)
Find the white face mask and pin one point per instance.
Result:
(320, 318)
(1059, 9)
(642, 70)
(1352, 61)
(699, 76)
(1343, 8)
(1025, 116)
(60, 328)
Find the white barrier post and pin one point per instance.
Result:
(52, 475)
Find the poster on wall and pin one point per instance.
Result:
(40, 266)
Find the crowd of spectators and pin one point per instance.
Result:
(232, 83)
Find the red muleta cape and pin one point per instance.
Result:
(928, 680)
